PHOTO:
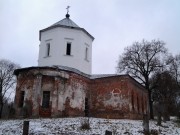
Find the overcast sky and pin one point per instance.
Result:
(115, 24)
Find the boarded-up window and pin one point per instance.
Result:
(21, 101)
(46, 99)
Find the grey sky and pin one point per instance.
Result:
(115, 24)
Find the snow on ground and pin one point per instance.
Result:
(71, 126)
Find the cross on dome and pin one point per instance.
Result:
(68, 9)
(67, 15)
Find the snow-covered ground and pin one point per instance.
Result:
(71, 126)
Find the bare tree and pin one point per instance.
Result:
(165, 93)
(174, 62)
(7, 79)
(174, 68)
(141, 60)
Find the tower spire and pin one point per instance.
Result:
(67, 15)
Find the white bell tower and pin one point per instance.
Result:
(66, 44)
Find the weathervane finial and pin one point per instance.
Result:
(68, 9)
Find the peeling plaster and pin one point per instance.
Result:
(116, 100)
(75, 93)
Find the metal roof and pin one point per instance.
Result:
(66, 22)
(95, 76)
(65, 68)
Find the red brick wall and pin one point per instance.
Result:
(139, 100)
(108, 97)
(25, 83)
(111, 97)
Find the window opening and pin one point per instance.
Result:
(86, 54)
(46, 99)
(86, 107)
(48, 49)
(68, 49)
(142, 105)
(21, 102)
(137, 104)
(132, 101)
(145, 106)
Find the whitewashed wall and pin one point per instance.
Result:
(58, 38)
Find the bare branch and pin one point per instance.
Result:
(7, 79)
(142, 60)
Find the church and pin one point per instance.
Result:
(62, 84)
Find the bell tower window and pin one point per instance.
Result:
(86, 54)
(48, 49)
(68, 49)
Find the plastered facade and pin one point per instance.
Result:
(58, 38)
(118, 96)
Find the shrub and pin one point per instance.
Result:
(153, 132)
(85, 124)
